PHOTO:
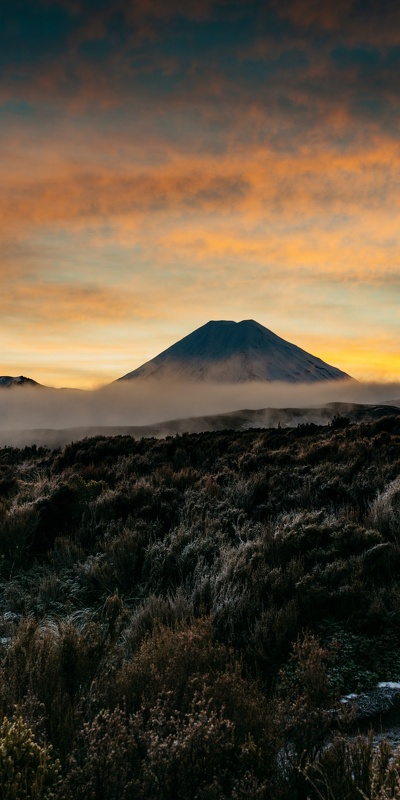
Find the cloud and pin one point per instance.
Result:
(112, 54)
(350, 21)
(304, 183)
(56, 304)
(132, 404)
(330, 15)
(94, 196)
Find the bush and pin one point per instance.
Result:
(385, 511)
(355, 768)
(28, 770)
(17, 533)
(105, 762)
(188, 756)
(173, 661)
(55, 663)
(304, 714)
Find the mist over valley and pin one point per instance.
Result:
(222, 369)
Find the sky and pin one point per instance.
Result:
(168, 162)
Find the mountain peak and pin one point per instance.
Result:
(236, 352)
(7, 381)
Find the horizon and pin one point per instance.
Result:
(164, 163)
(173, 344)
(93, 385)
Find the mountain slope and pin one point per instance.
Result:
(7, 381)
(236, 352)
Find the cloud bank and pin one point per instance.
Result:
(133, 404)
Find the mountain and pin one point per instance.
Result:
(7, 381)
(236, 352)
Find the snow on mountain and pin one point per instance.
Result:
(7, 381)
(236, 352)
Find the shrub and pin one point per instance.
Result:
(17, 533)
(355, 768)
(304, 705)
(105, 762)
(189, 756)
(174, 612)
(54, 663)
(123, 561)
(173, 661)
(385, 511)
(28, 770)
(8, 481)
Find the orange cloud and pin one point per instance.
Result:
(62, 303)
(301, 182)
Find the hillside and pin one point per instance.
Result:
(179, 616)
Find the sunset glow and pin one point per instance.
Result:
(167, 163)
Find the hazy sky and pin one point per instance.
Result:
(167, 162)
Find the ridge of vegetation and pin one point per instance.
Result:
(179, 617)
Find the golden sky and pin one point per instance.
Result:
(167, 163)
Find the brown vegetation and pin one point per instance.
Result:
(179, 616)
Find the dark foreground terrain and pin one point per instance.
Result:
(179, 617)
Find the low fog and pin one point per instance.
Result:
(35, 410)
